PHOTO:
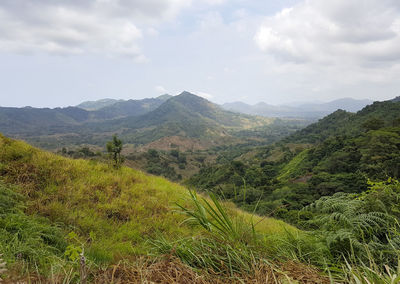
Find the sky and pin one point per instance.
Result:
(63, 52)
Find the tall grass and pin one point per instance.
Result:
(3, 266)
(370, 273)
(226, 247)
(230, 245)
(27, 239)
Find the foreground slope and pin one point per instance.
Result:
(114, 213)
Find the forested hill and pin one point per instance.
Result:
(189, 111)
(372, 117)
(340, 153)
(187, 116)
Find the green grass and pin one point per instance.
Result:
(27, 239)
(293, 168)
(113, 212)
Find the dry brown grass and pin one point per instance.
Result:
(172, 270)
(303, 273)
(168, 270)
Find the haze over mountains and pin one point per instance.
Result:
(294, 110)
(309, 110)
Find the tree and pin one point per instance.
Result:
(373, 124)
(114, 148)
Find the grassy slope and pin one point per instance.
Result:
(113, 211)
(293, 167)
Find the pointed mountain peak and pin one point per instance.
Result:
(187, 94)
(187, 97)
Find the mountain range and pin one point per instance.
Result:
(138, 122)
(309, 110)
(43, 121)
(162, 121)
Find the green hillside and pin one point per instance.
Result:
(337, 178)
(115, 215)
(132, 227)
(345, 123)
(184, 115)
(340, 153)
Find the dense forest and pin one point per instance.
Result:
(340, 153)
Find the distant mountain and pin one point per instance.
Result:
(45, 121)
(186, 117)
(309, 110)
(347, 104)
(39, 121)
(96, 105)
(129, 108)
(238, 106)
(396, 99)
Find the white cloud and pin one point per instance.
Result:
(322, 46)
(160, 89)
(83, 26)
(334, 31)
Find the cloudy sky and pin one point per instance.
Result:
(63, 52)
